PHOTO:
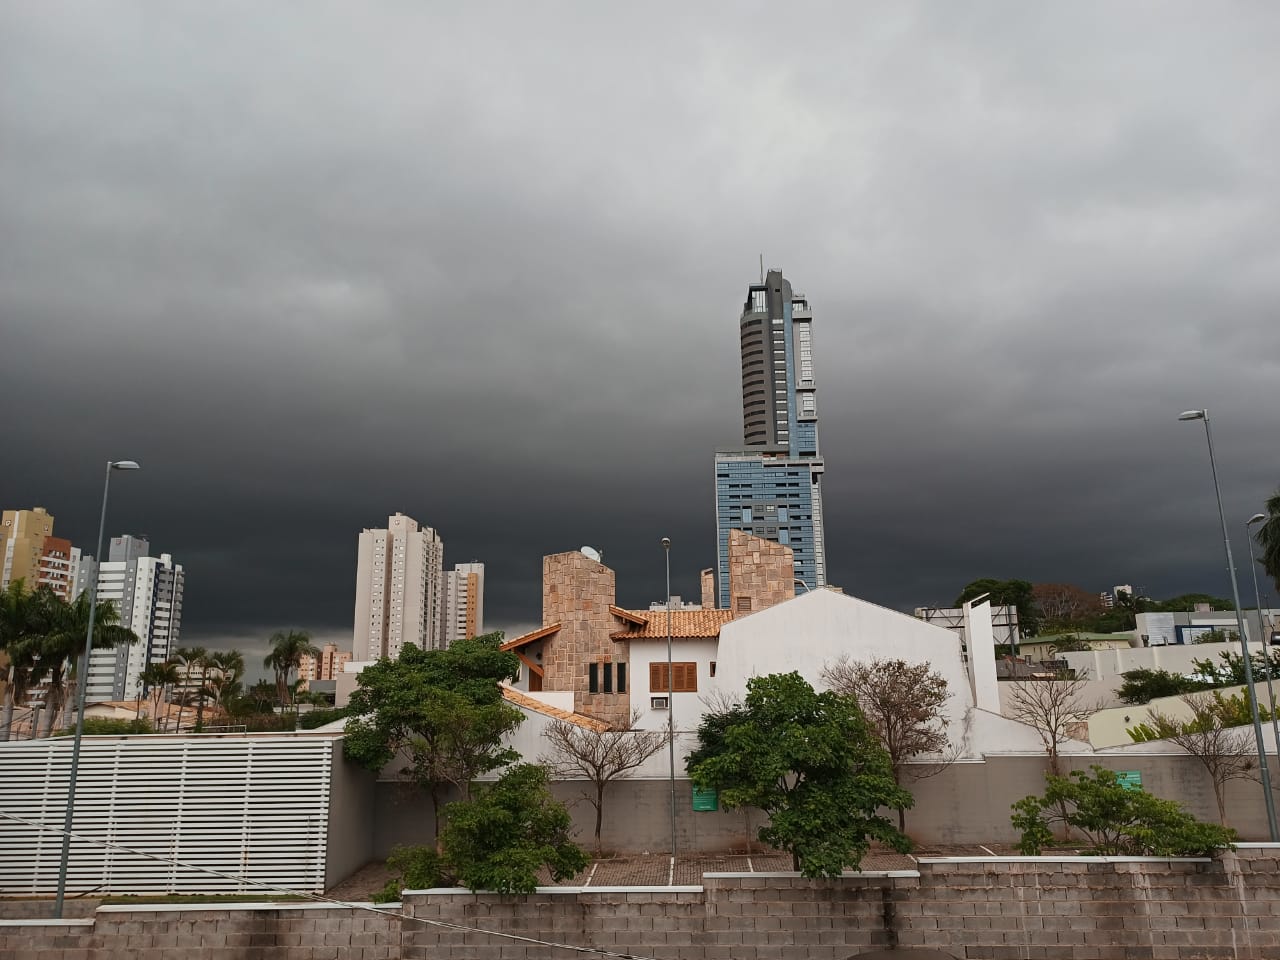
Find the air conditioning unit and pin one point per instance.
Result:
(658, 703)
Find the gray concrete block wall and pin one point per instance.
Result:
(979, 909)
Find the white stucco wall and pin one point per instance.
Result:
(688, 706)
(1176, 658)
(818, 628)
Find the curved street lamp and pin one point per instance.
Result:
(81, 685)
(1244, 643)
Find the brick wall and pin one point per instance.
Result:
(984, 909)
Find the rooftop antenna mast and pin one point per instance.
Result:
(762, 268)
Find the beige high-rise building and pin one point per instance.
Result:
(324, 667)
(23, 533)
(463, 602)
(399, 589)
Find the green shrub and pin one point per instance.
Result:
(418, 868)
(1116, 820)
(318, 718)
(108, 726)
(508, 831)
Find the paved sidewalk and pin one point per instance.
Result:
(643, 871)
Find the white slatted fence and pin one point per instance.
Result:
(250, 806)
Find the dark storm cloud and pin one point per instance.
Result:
(482, 264)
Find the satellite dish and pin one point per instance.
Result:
(591, 553)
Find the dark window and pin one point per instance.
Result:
(608, 677)
(622, 678)
(593, 678)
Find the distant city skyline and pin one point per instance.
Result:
(489, 278)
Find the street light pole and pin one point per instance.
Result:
(1244, 644)
(82, 684)
(671, 705)
(1262, 626)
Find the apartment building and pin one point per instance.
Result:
(399, 587)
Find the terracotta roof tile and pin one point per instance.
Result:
(631, 616)
(521, 699)
(685, 624)
(530, 637)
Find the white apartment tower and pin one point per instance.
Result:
(147, 592)
(463, 602)
(399, 587)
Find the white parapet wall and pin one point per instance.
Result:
(255, 807)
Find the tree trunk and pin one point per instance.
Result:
(6, 720)
(1220, 794)
(795, 861)
(435, 817)
(902, 819)
(599, 812)
(35, 720)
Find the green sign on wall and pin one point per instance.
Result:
(705, 800)
(1130, 779)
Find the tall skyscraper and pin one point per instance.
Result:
(147, 592)
(463, 602)
(399, 575)
(22, 535)
(772, 487)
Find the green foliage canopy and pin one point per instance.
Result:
(812, 763)
(1014, 593)
(1117, 821)
(440, 710)
(1144, 685)
(510, 830)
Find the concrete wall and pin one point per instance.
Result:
(1109, 664)
(1110, 727)
(966, 802)
(989, 908)
(351, 819)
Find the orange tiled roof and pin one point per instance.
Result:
(631, 616)
(520, 699)
(685, 624)
(530, 637)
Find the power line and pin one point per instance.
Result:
(317, 898)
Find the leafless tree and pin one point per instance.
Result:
(1064, 604)
(903, 702)
(600, 755)
(1225, 751)
(1056, 708)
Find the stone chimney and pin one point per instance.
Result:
(708, 589)
(761, 573)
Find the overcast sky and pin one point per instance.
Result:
(314, 263)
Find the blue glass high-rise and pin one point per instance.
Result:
(771, 488)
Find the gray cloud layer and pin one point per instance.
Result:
(482, 264)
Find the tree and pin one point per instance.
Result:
(811, 761)
(288, 647)
(1143, 685)
(1011, 593)
(1215, 636)
(156, 677)
(1116, 820)
(903, 703)
(499, 839)
(1187, 602)
(1064, 606)
(1268, 539)
(1230, 673)
(61, 629)
(1212, 737)
(224, 684)
(15, 642)
(440, 711)
(600, 755)
(1069, 643)
(1055, 708)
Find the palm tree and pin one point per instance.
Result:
(15, 642)
(155, 678)
(228, 667)
(1268, 537)
(287, 650)
(61, 629)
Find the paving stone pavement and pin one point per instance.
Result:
(656, 871)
